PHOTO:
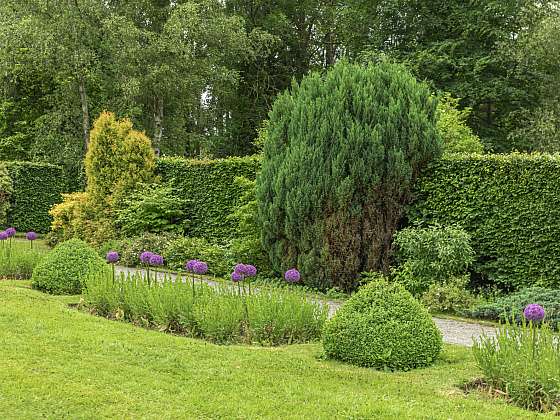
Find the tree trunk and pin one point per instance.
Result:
(158, 121)
(85, 112)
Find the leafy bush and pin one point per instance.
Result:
(383, 326)
(506, 307)
(131, 248)
(65, 268)
(36, 188)
(180, 250)
(452, 125)
(218, 314)
(451, 296)
(153, 208)
(17, 259)
(504, 202)
(523, 362)
(6, 190)
(209, 186)
(342, 152)
(431, 255)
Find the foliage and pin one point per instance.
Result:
(452, 125)
(384, 327)
(69, 217)
(246, 244)
(36, 187)
(153, 208)
(6, 190)
(511, 307)
(181, 250)
(342, 153)
(452, 296)
(219, 314)
(117, 161)
(17, 259)
(131, 248)
(504, 202)
(209, 186)
(523, 363)
(65, 268)
(431, 255)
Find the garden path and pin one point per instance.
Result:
(453, 331)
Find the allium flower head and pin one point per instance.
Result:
(246, 270)
(236, 276)
(3, 236)
(533, 312)
(189, 266)
(112, 257)
(156, 259)
(11, 232)
(31, 236)
(145, 257)
(200, 267)
(239, 268)
(292, 275)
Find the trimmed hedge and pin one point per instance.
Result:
(209, 187)
(510, 204)
(36, 187)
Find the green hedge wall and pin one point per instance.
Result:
(36, 187)
(208, 184)
(510, 204)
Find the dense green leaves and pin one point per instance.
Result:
(384, 327)
(36, 187)
(209, 187)
(341, 154)
(6, 189)
(509, 204)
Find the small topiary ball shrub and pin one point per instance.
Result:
(384, 327)
(66, 267)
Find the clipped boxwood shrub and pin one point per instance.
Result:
(36, 187)
(384, 327)
(510, 206)
(209, 186)
(65, 268)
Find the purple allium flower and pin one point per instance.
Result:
(112, 257)
(11, 232)
(250, 270)
(236, 276)
(156, 259)
(3, 236)
(239, 268)
(200, 267)
(533, 312)
(145, 257)
(189, 266)
(31, 236)
(292, 275)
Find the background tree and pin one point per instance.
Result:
(341, 155)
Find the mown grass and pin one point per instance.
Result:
(58, 362)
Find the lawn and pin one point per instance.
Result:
(58, 362)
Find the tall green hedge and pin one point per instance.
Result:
(209, 187)
(36, 187)
(510, 204)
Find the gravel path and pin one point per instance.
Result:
(454, 332)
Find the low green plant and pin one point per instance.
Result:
(503, 308)
(65, 268)
(431, 255)
(452, 296)
(6, 189)
(523, 363)
(17, 259)
(131, 248)
(221, 314)
(384, 327)
(152, 208)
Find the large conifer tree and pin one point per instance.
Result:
(343, 150)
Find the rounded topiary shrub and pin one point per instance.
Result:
(65, 268)
(384, 327)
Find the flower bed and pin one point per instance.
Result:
(18, 258)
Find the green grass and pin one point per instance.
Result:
(61, 363)
(17, 258)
